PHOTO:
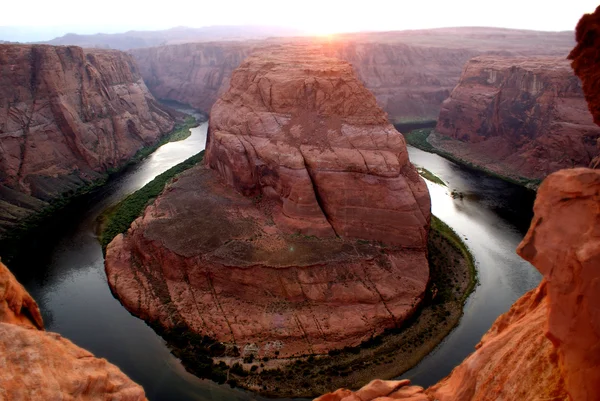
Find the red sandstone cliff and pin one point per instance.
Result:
(518, 117)
(312, 156)
(38, 365)
(67, 115)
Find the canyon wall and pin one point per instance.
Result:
(519, 117)
(39, 365)
(67, 115)
(411, 73)
(307, 233)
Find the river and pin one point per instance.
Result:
(66, 275)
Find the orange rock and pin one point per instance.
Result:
(379, 390)
(16, 305)
(564, 244)
(38, 365)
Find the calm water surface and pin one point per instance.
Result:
(68, 281)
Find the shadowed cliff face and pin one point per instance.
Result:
(38, 365)
(519, 117)
(67, 115)
(586, 60)
(298, 152)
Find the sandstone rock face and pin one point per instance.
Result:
(303, 131)
(519, 117)
(16, 305)
(191, 73)
(546, 346)
(66, 116)
(38, 365)
(246, 252)
(586, 59)
(569, 205)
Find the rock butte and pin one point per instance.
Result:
(519, 117)
(246, 251)
(547, 346)
(39, 365)
(67, 115)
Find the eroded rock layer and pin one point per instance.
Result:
(67, 115)
(518, 117)
(38, 365)
(247, 251)
(303, 131)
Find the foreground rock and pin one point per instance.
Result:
(410, 72)
(38, 365)
(519, 117)
(67, 115)
(311, 156)
(544, 347)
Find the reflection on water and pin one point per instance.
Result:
(68, 278)
(491, 218)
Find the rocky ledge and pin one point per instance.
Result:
(39, 365)
(305, 231)
(523, 118)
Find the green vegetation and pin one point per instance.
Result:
(12, 244)
(119, 218)
(438, 227)
(179, 133)
(418, 139)
(428, 175)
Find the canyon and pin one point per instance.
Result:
(39, 365)
(307, 201)
(522, 118)
(67, 116)
(410, 72)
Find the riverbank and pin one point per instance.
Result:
(420, 138)
(30, 230)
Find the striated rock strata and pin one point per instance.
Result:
(67, 115)
(246, 251)
(38, 365)
(547, 345)
(519, 117)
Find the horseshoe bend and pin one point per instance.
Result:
(305, 230)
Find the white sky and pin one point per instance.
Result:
(313, 16)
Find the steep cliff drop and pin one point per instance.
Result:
(38, 365)
(67, 115)
(522, 118)
(306, 234)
